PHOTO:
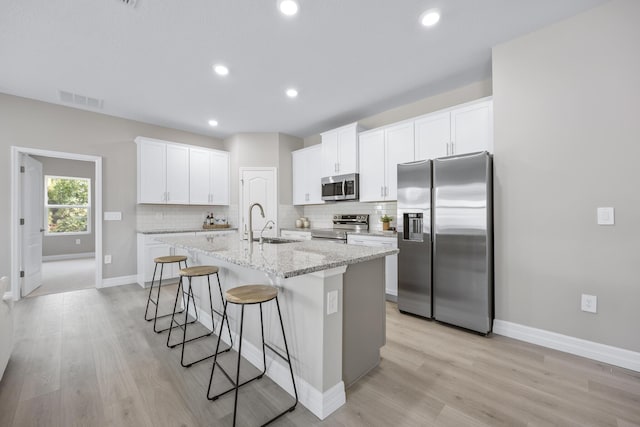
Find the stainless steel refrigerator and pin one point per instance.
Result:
(414, 238)
(458, 288)
(463, 241)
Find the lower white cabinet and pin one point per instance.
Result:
(150, 248)
(296, 234)
(391, 262)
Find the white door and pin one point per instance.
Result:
(177, 175)
(33, 214)
(219, 178)
(152, 172)
(399, 148)
(433, 135)
(259, 185)
(330, 153)
(199, 176)
(348, 150)
(372, 160)
(472, 128)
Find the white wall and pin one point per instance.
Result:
(35, 124)
(567, 140)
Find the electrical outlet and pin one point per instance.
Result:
(332, 302)
(77, 241)
(589, 303)
(107, 259)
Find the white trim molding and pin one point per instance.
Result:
(601, 352)
(63, 257)
(16, 235)
(119, 281)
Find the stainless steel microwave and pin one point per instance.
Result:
(341, 187)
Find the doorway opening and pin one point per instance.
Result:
(56, 233)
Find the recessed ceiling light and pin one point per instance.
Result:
(213, 123)
(292, 93)
(221, 70)
(288, 7)
(430, 18)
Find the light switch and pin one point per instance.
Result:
(113, 216)
(605, 216)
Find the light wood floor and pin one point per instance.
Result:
(66, 276)
(87, 358)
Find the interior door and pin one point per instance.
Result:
(259, 185)
(33, 214)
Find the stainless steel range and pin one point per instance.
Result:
(341, 225)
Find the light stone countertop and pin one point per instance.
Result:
(380, 233)
(185, 230)
(282, 260)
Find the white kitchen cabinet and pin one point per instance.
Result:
(340, 150)
(208, 177)
(296, 234)
(150, 248)
(390, 263)
(372, 160)
(380, 153)
(307, 173)
(464, 129)
(163, 172)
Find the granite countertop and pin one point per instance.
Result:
(185, 230)
(282, 260)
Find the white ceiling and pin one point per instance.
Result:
(348, 58)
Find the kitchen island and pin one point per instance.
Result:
(332, 298)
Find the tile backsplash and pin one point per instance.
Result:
(178, 217)
(320, 216)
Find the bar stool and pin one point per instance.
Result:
(171, 259)
(190, 273)
(248, 295)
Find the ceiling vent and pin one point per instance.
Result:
(130, 3)
(81, 100)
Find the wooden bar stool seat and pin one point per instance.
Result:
(190, 273)
(243, 296)
(161, 260)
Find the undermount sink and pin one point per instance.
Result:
(275, 240)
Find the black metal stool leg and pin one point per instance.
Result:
(222, 299)
(173, 314)
(235, 400)
(215, 357)
(146, 311)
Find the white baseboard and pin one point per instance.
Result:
(601, 352)
(320, 404)
(118, 281)
(63, 257)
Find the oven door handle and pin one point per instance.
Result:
(344, 184)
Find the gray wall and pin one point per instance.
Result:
(64, 245)
(34, 124)
(567, 141)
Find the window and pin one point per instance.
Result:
(67, 205)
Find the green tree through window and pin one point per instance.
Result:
(67, 205)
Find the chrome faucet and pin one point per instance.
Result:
(250, 233)
(266, 226)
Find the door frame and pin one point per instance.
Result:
(240, 187)
(16, 203)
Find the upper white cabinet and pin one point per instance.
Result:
(460, 130)
(170, 173)
(208, 177)
(163, 172)
(307, 172)
(340, 150)
(380, 152)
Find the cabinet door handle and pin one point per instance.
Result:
(447, 148)
(381, 191)
(168, 196)
(452, 148)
